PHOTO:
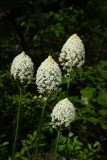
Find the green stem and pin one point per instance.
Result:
(69, 78)
(17, 125)
(56, 146)
(39, 131)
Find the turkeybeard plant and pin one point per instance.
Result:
(72, 56)
(48, 81)
(62, 116)
(22, 70)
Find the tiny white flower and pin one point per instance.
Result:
(48, 77)
(22, 67)
(85, 100)
(72, 53)
(63, 113)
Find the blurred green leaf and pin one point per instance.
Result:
(103, 111)
(88, 92)
(62, 147)
(4, 144)
(70, 134)
(102, 97)
(103, 125)
(96, 144)
(89, 146)
(30, 137)
(103, 63)
(92, 120)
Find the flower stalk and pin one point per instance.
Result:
(39, 131)
(17, 123)
(56, 146)
(69, 79)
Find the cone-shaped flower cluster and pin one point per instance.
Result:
(72, 53)
(63, 113)
(22, 67)
(48, 77)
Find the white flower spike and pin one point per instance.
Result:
(63, 113)
(22, 67)
(72, 53)
(48, 77)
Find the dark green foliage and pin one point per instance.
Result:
(41, 28)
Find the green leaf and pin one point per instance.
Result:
(64, 80)
(62, 139)
(70, 147)
(92, 120)
(4, 144)
(102, 64)
(102, 97)
(42, 144)
(63, 158)
(80, 72)
(61, 147)
(96, 144)
(74, 98)
(34, 134)
(24, 149)
(24, 158)
(103, 125)
(88, 92)
(89, 146)
(103, 111)
(30, 137)
(77, 144)
(70, 134)
(87, 109)
(17, 154)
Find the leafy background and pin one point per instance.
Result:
(41, 28)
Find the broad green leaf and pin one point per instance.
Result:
(96, 144)
(74, 98)
(103, 111)
(70, 134)
(104, 75)
(30, 137)
(61, 147)
(87, 110)
(89, 146)
(70, 147)
(42, 144)
(103, 125)
(64, 80)
(34, 134)
(80, 72)
(63, 158)
(102, 97)
(17, 154)
(24, 158)
(88, 92)
(62, 139)
(92, 120)
(102, 64)
(24, 149)
(4, 144)
(77, 144)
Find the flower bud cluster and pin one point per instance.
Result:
(63, 113)
(48, 77)
(72, 53)
(22, 67)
